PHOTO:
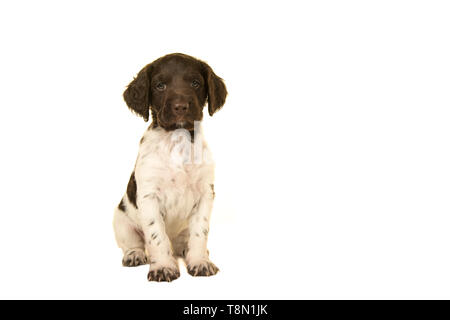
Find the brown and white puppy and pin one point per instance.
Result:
(166, 210)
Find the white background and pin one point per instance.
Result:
(332, 150)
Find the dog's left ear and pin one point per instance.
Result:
(217, 92)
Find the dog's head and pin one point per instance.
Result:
(175, 89)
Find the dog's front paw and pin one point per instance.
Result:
(134, 258)
(163, 273)
(203, 268)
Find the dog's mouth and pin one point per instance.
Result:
(180, 123)
(177, 123)
(184, 124)
(171, 121)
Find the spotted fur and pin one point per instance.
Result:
(166, 209)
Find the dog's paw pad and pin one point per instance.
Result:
(163, 274)
(202, 269)
(134, 258)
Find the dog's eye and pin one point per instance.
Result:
(160, 86)
(195, 84)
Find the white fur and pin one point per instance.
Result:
(174, 179)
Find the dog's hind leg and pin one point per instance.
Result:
(129, 239)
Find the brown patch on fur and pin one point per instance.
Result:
(212, 190)
(131, 190)
(122, 206)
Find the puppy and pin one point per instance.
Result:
(166, 209)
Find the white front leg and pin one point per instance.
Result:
(163, 266)
(197, 256)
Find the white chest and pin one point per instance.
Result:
(177, 170)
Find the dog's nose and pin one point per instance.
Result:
(180, 109)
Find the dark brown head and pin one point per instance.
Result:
(175, 89)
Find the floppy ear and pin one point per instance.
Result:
(217, 92)
(137, 94)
